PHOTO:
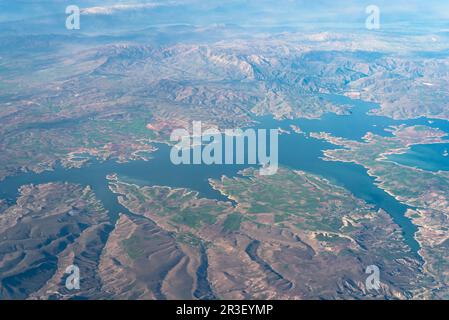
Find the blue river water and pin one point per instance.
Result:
(296, 151)
(430, 157)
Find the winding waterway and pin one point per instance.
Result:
(296, 151)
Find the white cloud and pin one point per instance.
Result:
(106, 10)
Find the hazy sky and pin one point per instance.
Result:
(236, 11)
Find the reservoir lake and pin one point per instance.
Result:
(296, 151)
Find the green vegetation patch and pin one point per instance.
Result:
(194, 219)
(232, 222)
(132, 247)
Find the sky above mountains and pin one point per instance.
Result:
(242, 12)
